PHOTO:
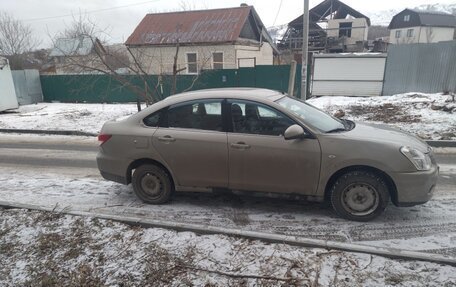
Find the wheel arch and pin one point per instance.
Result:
(388, 180)
(138, 162)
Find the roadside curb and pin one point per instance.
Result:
(441, 143)
(433, 143)
(254, 235)
(49, 132)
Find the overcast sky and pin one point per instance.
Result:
(121, 21)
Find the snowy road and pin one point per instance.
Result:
(62, 174)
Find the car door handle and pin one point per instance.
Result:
(167, 139)
(240, 145)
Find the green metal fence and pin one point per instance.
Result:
(104, 88)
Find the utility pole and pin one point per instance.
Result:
(305, 44)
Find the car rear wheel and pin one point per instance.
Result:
(152, 184)
(359, 195)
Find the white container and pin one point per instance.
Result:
(8, 98)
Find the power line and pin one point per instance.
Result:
(278, 11)
(88, 12)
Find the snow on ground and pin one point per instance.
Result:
(427, 228)
(430, 116)
(50, 249)
(58, 116)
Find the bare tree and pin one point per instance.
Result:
(175, 69)
(158, 60)
(16, 38)
(185, 5)
(141, 62)
(83, 25)
(102, 59)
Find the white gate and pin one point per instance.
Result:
(348, 74)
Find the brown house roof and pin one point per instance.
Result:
(199, 26)
(202, 26)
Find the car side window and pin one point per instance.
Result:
(254, 118)
(152, 120)
(202, 115)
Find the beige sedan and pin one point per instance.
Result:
(262, 142)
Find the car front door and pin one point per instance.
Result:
(193, 143)
(260, 159)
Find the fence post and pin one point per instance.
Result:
(291, 80)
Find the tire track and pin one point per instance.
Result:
(403, 231)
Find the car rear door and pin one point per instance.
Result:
(260, 159)
(194, 144)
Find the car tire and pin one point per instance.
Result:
(152, 184)
(359, 195)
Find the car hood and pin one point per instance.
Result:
(386, 134)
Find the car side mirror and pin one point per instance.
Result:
(294, 132)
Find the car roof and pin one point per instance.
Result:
(236, 93)
(253, 94)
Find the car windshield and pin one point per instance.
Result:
(311, 115)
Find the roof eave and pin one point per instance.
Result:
(264, 31)
(137, 45)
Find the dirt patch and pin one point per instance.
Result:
(387, 113)
(77, 114)
(48, 250)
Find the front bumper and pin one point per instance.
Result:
(415, 188)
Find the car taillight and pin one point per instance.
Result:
(102, 138)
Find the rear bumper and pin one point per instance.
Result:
(114, 177)
(112, 168)
(415, 188)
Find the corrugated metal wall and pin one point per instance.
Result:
(426, 68)
(28, 86)
(103, 88)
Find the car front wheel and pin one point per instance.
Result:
(152, 184)
(359, 195)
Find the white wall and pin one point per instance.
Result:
(159, 59)
(422, 35)
(8, 98)
(263, 54)
(358, 32)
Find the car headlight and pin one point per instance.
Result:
(419, 159)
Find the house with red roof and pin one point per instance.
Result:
(225, 38)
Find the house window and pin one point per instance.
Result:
(406, 18)
(409, 32)
(345, 29)
(192, 64)
(398, 33)
(217, 60)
